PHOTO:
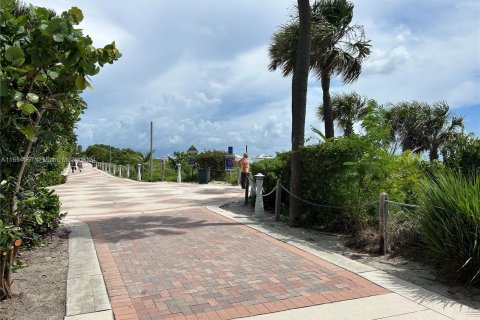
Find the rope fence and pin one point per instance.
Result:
(403, 204)
(382, 204)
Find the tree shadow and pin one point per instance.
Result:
(116, 229)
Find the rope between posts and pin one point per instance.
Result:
(326, 206)
(266, 195)
(403, 204)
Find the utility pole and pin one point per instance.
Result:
(151, 150)
(110, 154)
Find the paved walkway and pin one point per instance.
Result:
(164, 255)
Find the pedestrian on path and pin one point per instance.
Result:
(73, 165)
(80, 165)
(245, 168)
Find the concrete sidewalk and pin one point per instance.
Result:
(166, 251)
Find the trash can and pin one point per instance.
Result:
(203, 175)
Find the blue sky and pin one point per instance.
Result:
(198, 69)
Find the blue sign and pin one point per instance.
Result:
(230, 150)
(229, 162)
(191, 161)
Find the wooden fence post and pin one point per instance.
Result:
(278, 200)
(383, 223)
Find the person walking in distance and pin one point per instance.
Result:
(80, 165)
(73, 165)
(244, 167)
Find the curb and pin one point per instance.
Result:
(86, 292)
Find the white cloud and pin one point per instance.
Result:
(198, 70)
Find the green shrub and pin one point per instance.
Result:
(215, 159)
(463, 154)
(50, 178)
(450, 223)
(39, 213)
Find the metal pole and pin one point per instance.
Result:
(383, 223)
(151, 149)
(278, 200)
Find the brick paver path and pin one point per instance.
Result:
(185, 262)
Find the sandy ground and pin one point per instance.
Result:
(421, 274)
(39, 290)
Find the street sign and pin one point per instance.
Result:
(229, 162)
(192, 151)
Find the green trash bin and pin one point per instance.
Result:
(203, 175)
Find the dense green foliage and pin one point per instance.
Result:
(450, 223)
(463, 154)
(215, 160)
(45, 61)
(103, 153)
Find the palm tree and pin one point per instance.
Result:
(347, 109)
(421, 127)
(338, 49)
(440, 127)
(299, 106)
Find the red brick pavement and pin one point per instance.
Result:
(195, 264)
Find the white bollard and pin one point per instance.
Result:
(120, 171)
(128, 171)
(139, 172)
(114, 169)
(179, 173)
(259, 211)
(252, 186)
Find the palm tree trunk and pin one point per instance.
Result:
(327, 105)
(433, 153)
(348, 129)
(299, 105)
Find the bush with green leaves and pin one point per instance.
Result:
(38, 211)
(348, 174)
(40, 214)
(215, 160)
(450, 223)
(463, 154)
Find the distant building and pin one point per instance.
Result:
(262, 157)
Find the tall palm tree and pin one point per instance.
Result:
(338, 48)
(299, 106)
(347, 108)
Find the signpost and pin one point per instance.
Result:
(192, 152)
(229, 160)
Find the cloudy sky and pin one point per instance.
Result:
(198, 69)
